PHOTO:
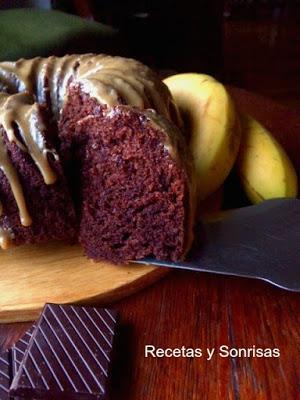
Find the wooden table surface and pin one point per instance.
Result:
(205, 311)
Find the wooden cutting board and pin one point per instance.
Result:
(30, 276)
(33, 275)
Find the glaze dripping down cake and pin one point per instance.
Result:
(35, 202)
(111, 125)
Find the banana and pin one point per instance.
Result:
(212, 126)
(264, 168)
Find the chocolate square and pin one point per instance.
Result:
(18, 350)
(5, 375)
(68, 356)
(10, 361)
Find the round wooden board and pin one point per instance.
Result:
(31, 276)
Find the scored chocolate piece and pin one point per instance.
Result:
(68, 356)
(18, 350)
(10, 361)
(5, 375)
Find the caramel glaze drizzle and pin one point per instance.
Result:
(21, 110)
(110, 80)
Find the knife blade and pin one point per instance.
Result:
(260, 241)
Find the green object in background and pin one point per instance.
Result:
(29, 32)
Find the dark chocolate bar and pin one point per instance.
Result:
(18, 350)
(68, 356)
(10, 361)
(5, 375)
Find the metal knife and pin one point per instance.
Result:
(260, 241)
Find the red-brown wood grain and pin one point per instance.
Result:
(283, 122)
(200, 310)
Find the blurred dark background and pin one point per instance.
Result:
(253, 44)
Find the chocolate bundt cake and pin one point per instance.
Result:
(114, 125)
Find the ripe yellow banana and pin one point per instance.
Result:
(265, 170)
(212, 125)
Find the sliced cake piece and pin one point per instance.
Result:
(134, 188)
